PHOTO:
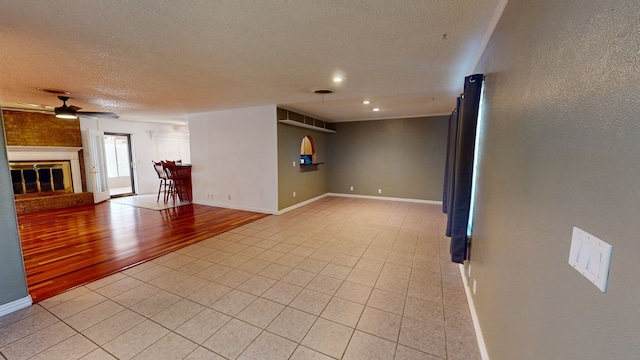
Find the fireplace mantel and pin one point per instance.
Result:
(47, 149)
(39, 153)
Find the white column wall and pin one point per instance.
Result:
(234, 157)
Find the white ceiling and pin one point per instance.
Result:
(163, 59)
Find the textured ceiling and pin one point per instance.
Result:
(164, 59)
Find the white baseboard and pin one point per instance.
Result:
(474, 316)
(306, 202)
(233, 206)
(298, 205)
(16, 305)
(293, 207)
(419, 201)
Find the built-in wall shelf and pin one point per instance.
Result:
(293, 118)
(314, 164)
(307, 126)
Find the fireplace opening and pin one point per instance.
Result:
(41, 178)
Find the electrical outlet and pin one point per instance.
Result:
(294, 194)
(379, 191)
(229, 197)
(351, 188)
(294, 164)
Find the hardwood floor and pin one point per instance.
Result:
(70, 247)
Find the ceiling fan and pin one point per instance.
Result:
(71, 112)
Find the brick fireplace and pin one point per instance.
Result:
(46, 161)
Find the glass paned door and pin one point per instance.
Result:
(119, 162)
(97, 179)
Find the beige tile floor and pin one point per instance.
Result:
(341, 278)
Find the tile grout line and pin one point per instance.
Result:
(77, 331)
(317, 246)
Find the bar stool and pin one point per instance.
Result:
(169, 168)
(165, 182)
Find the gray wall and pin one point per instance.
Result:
(403, 157)
(561, 149)
(13, 284)
(309, 181)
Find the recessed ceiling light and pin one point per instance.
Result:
(375, 109)
(366, 102)
(337, 79)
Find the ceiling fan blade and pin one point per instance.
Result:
(98, 113)
(73, 108)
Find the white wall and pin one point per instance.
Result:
(150, 141)
(234, 157)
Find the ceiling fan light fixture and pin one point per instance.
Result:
(64, 111)
(66, 116)
(71, 112)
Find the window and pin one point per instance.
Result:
(116, 150)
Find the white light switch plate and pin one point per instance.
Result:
(591, 257)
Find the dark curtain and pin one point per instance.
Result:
(459, 173)
(447, 191)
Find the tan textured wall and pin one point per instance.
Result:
(561, 149)
(309, 181)
(403, 157)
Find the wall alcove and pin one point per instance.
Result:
(308, 152)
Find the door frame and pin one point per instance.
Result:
(132, 167)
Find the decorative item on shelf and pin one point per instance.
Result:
(308, 152)
(306, 160)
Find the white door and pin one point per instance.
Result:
(97, 170)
